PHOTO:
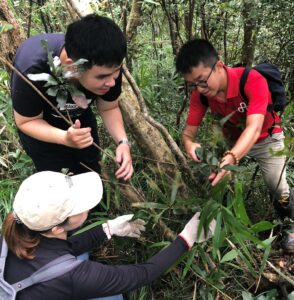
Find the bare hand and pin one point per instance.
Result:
(123, 157)
(191, 150)
(77, 137)
(215, 177)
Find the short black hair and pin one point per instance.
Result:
(97, 39)
(195, 52)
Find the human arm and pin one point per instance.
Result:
(113, 121)
(39, 129)
(243, 145)
(188, 137)
(99, 280)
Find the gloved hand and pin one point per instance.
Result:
(190, 231)
(123, 226)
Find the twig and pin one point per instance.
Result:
(280, 273)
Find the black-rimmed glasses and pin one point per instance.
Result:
(203, 83)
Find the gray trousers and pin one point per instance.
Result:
(272, 166)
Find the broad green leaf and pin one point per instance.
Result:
(246, 296)
(199, 152)
(61, 99)
(230, 255)
(40, 77)
(52, 91)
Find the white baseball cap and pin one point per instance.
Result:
(47, 198)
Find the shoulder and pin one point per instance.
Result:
(24, 59)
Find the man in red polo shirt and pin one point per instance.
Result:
(252, 129)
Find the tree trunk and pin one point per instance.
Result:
(172, 17)
(10, 40)
(250, 32)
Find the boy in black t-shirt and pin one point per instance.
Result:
(45, 136)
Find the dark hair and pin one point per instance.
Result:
(97, 39)
(21, 240)
(195, 52)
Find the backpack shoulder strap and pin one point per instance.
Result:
(4, 251)
(243, 82)
(203, 100)
(53, 269)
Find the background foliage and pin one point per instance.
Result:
(243, 255)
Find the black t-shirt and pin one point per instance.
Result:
(31, 58)
(89, 279)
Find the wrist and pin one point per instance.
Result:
(124, 141)
(106, 229)
(232, 155)
(185, 240)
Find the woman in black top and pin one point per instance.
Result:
(46, 207)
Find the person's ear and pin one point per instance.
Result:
(57, 230)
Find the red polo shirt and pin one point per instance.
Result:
(258, 94)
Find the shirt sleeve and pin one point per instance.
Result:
(257, 92)
(92, 279)
(196, 110)
(25, 99)
(87, 240)
(115, 91)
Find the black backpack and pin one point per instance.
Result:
(273, 77)
(53, 269)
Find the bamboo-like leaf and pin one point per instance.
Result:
(238, 204)
(226, 118)
(149, 205)
(5, 27)
(262, 226)
(230, 255)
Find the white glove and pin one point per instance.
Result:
(190, 232)
(123, 226)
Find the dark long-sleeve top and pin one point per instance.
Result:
(89, 279)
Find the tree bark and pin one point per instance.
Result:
(10, 40)
(134, 20)
(250, 28)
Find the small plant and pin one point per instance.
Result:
(60, 84)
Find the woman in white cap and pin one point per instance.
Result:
(46, 207)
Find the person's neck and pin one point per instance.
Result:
(62, 236)
(63, 56)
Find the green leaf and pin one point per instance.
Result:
(231, 168)
(52, 91)
(150, 205)
(199, 152)
(262, 226)
(61, 98)
(40, 77)
(226, 118)
(230, 255)
(246, 296)
(238, 204)
(190, 259)
(5, 27)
